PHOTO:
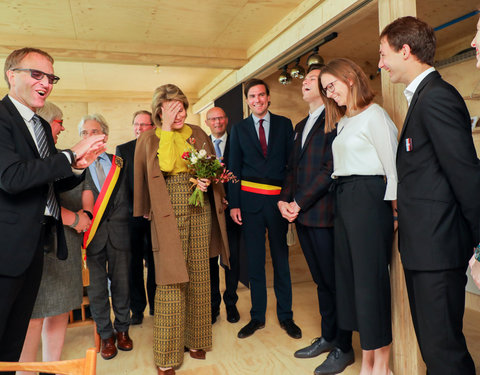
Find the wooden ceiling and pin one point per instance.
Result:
(110, 48)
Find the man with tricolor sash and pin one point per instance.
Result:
(259, 149)
(107, 243)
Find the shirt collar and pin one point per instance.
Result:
(266, 118)
(103, 156)
(24, 111)
(223, 137)
(412, 87)
(317, 112)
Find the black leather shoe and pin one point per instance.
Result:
(250, 328)
(136, 319)
(292, 329)
(318, 346)
(233, 315)
(336, 362)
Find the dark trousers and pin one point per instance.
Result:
(317, 246)
(254, 226)
(141, 248)
(437, 304)
(363, 248)
(109, 263)
(17, 298)
(230, 296)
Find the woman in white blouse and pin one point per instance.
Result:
(365, 191)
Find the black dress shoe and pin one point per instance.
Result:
(318, 346)
(250, 328)
(137, 318)
(292, 329)
(336, 362)
(232, 314)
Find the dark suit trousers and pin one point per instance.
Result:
(141, 247)
(254, 225)
(437, 304)
(109, 263)
(317, 246)
(230, 296)
(17, 298)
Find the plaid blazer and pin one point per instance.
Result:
(309, 175)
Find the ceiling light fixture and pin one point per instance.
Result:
(284, 77)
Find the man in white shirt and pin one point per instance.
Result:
(306, 199)
(32, 173)
(217, 121)
(438, 205)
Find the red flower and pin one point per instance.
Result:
(191, 140)
(186, 155)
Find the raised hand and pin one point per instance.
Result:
(169, 113)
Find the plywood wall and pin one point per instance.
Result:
(118, 116)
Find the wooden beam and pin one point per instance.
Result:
(281, 45)
(406, 358)
(126, 53)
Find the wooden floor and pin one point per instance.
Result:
(268, 351)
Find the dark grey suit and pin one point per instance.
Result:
(108, 257)
(438, 215)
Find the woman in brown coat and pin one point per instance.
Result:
(183, 236)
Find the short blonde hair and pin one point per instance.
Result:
(50, 112)
(166, 93)
(95, 117)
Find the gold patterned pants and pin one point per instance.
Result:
(183, 311)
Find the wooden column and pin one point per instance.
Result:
(406, 358)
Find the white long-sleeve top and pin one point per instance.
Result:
(366, 144)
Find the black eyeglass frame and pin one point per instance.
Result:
(38, 75)
(329, 88)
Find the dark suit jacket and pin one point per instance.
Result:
(309, 175)
(127, 152)
(438, 180)
(246, 159)
(114, 224)
(24, 179)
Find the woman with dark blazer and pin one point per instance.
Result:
(183, 236)
(366, 187)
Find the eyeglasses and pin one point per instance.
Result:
(141, 125)
(330, 88)
(88, 133)
(60, 122)
(213, 119)
(38, 75)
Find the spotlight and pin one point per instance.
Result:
(315, 58)
(284, 77)
(297, 71)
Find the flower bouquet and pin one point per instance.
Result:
(207, 166)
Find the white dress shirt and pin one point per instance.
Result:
(223, 142)
(266, 125)
(312, 119)
(366, 144)
(412, 87)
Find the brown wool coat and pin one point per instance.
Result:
(151, 197)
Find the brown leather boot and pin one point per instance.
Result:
(108, 350)
(124, 342)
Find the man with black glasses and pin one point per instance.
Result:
(32, 173)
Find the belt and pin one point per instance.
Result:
(257, 188)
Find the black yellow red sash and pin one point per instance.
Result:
(258, 188)
(101, 204)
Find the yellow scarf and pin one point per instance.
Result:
(171, 146)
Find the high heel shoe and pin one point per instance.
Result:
(198, 354)
(169, 371)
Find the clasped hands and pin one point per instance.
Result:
(87, 150)
(289, 211)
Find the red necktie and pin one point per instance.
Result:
(261, 135)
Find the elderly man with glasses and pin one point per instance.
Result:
(140, 240)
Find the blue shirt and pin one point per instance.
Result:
(106, 164)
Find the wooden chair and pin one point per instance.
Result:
(81, 366)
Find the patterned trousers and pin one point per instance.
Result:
(183, 311)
